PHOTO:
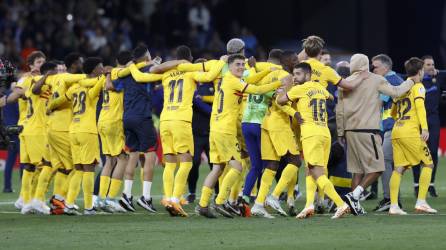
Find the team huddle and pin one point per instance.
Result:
(264, 115)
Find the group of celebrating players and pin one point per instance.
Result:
(283, 100)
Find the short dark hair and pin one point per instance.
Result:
(413, 66)
(91, 63)
(47, 66)
(275, 54)
(140, 51)
(34, 56)
(385, 59)
(306, 67)
(427, 57)
(124, 57)
(313, 45)
(71, 58)
(234, 57)
(183, 53)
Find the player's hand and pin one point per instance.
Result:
(252, 61)
(224, 58)
(425, 134)
(341, 140)
(298, 118)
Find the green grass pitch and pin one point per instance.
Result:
(159, 231)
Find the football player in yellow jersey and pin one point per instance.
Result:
(175, 126)
(34, 61)
(277, 141)
(39, 97)
(316, 140)
(312, 49)
(84, 135)
(409, 136)
(58, 137)
(224, 146)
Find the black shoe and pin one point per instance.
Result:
(191, 198)
(319, 209)
(292, 211)
(365, 195)
(146, 204)
(383, 205)
(353, 203)
(372, 196)
(432, 192)
(8, 190)
(221, 209)
(127, 203)
(415, 189)
(232, 208)
(206, 212)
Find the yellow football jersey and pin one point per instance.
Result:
(323, 74)
(408, 120)
(60, 117)
(36, 118)
(24, 82)
(83, 105)
(179, 88)
(311, 103)
(276, 118)
(228, 99)
(112, 101)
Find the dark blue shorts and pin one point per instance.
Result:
(140, 134)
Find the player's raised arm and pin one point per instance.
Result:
(163, 67)
(212, 74)
(255, 77)
(47, 69)
(144, 77)
(69, 79)
(97, 88)
(123, 72)
(202, 66)
(59, 97)
(395, 91)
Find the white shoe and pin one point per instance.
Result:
(306, 213)
(27, 209)
(259, 210)
(19, 203)
(423, 207)
(274, 204)
(40, 207)
(396, 210)
(89, 212)
(341, 211)
(114, 205)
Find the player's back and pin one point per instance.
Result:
(179, 88)
(407, 121)
(60, 117)
(112, 102)
(322, 73)
(36, 118)
(312, 108)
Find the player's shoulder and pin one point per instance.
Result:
(418, 89)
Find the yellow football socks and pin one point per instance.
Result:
(181, 179)
(88, 187)
(222, 176)
(168, 179)
(265, 185)
(329, 190)
(104, 184)
(115, 187)
(42, 183)
(311, 187)
(394, 186)
(35, 180)
(291, 185)
(206, 194)
(59, 183)
(75, 187)
(288, 174)
(425, 179)
(229, 180)
(26, 186)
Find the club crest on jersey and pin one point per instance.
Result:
(422, 90)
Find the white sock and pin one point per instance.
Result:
(357, 192)
(420, 202)
(128, 188)
(95, 199)
(146, 186)
(175, 200)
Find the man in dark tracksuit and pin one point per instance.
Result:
(434, 82)
(200, 129)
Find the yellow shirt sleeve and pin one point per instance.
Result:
(72, 78)
(204, 66)
(262, 89)
(210, 75)
(61, 97)
(123, 72)
(256, 77)
(208, 98)
(96, 89)
(144, 77)
(331, 75)
(419, 95)
(295, 93)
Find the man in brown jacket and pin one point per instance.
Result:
(358, 117)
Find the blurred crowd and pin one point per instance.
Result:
(105, 27)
